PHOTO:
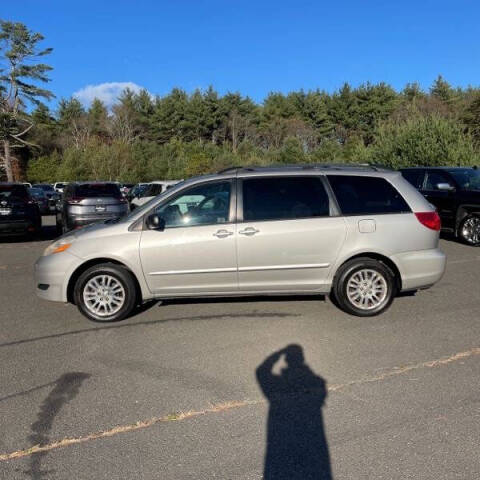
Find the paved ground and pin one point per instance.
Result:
(392, 397)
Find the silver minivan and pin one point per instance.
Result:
(359, 234)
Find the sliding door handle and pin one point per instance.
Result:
(249, 231)
(222, 233)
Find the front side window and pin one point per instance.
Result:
(359, 195)
(207, 204)
(434, 178)
(284, 198)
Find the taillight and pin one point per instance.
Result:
(430, 220)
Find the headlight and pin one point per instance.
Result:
(60, 245)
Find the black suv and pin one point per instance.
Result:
(52, 195)
(455, 191)
(90, 202)
(19, 213)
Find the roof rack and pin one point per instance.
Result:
(235, 169)
(343, 166)
(229, 169)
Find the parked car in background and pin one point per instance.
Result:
(152, 190)
(59, 186)
(126, 187)
(359, 234)
(41, 199)
(50, 193)
(19, 213)
(455, 192)
(89, 202)
(136, 191)
(27, 184)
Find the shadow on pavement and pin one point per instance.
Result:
(297, 447)
(66, 389)
(152, 322)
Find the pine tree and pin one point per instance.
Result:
(19, 52)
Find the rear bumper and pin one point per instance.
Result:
(420, 269)
(51, 274)
(16, 227)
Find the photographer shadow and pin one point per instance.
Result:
(296, 443)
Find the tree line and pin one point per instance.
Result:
(145, 137)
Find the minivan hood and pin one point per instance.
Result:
(92, 230)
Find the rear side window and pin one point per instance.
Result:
(358, 195)
(415, 177)
(98, 190)
(284, 198)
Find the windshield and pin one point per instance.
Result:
(467, 178)
(98, 190)
(18, 191)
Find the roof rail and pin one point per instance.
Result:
(229, 169)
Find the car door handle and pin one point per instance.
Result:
(249, 231)
(222, 233)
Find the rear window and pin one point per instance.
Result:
(358, 195)
(17, 191)
(283, 198)
(98, 190)
(42, 186)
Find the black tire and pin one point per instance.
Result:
(469, 230)
(122, 276)
(347, 271)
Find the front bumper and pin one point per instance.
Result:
(51, 275)
(420, 269)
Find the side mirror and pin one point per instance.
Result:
(155, 222)
(446, 187)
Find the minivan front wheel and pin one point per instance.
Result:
(364, 287)
(105, 293)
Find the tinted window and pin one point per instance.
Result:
(415, 177)
(467, 178)
(434, 178)
(206, 204)
(366, 195)
(153, 190)
(283, 198)
(97, 190)
(43, 186)
(17, 191)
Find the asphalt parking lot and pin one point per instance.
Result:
(180, 390)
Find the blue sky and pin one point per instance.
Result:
(253, 47)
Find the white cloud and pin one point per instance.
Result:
(108, 92)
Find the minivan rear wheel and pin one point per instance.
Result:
(364, 287)
(105, 293)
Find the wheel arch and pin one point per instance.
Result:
(379, 257)
(462, 212)
(97, 261)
